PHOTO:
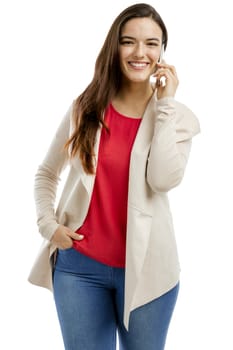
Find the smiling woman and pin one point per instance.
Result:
(110, 253)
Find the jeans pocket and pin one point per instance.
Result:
(65, 259)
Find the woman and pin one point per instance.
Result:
(109, 253)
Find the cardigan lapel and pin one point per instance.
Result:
(138, 190)
(88, 180)
(139, 207)
(146, 129)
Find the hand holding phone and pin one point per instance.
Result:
(166, 80)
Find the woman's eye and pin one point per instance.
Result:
(153, 44)
(126, 42)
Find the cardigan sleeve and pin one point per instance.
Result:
(174, 128)
(48, 177)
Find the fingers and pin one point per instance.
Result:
(166, 80)
(164, 70)
(63, 237)
(75, 236)
(169, 67)
(61, 240)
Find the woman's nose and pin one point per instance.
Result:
(139, 51)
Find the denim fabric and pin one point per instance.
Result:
(89, 298)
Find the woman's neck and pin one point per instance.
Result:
(132, 100)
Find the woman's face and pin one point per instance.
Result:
(139, 49)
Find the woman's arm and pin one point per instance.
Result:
(48, 176)
(174, 128)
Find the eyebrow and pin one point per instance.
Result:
(132, 38)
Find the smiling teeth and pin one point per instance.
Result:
(138, 64)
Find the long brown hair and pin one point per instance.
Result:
(90, 105)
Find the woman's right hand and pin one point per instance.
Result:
(63, 237)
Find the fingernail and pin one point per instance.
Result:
(81, 236)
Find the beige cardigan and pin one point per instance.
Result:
(158, 160)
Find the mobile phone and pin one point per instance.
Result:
(162, 80)
(161, 54)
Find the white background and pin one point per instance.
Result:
(48, 50)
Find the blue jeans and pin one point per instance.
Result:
(89, 298)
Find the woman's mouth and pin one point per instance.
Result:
(138, 65)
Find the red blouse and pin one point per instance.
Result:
(104, 228)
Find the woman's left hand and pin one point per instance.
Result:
(166, 80)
